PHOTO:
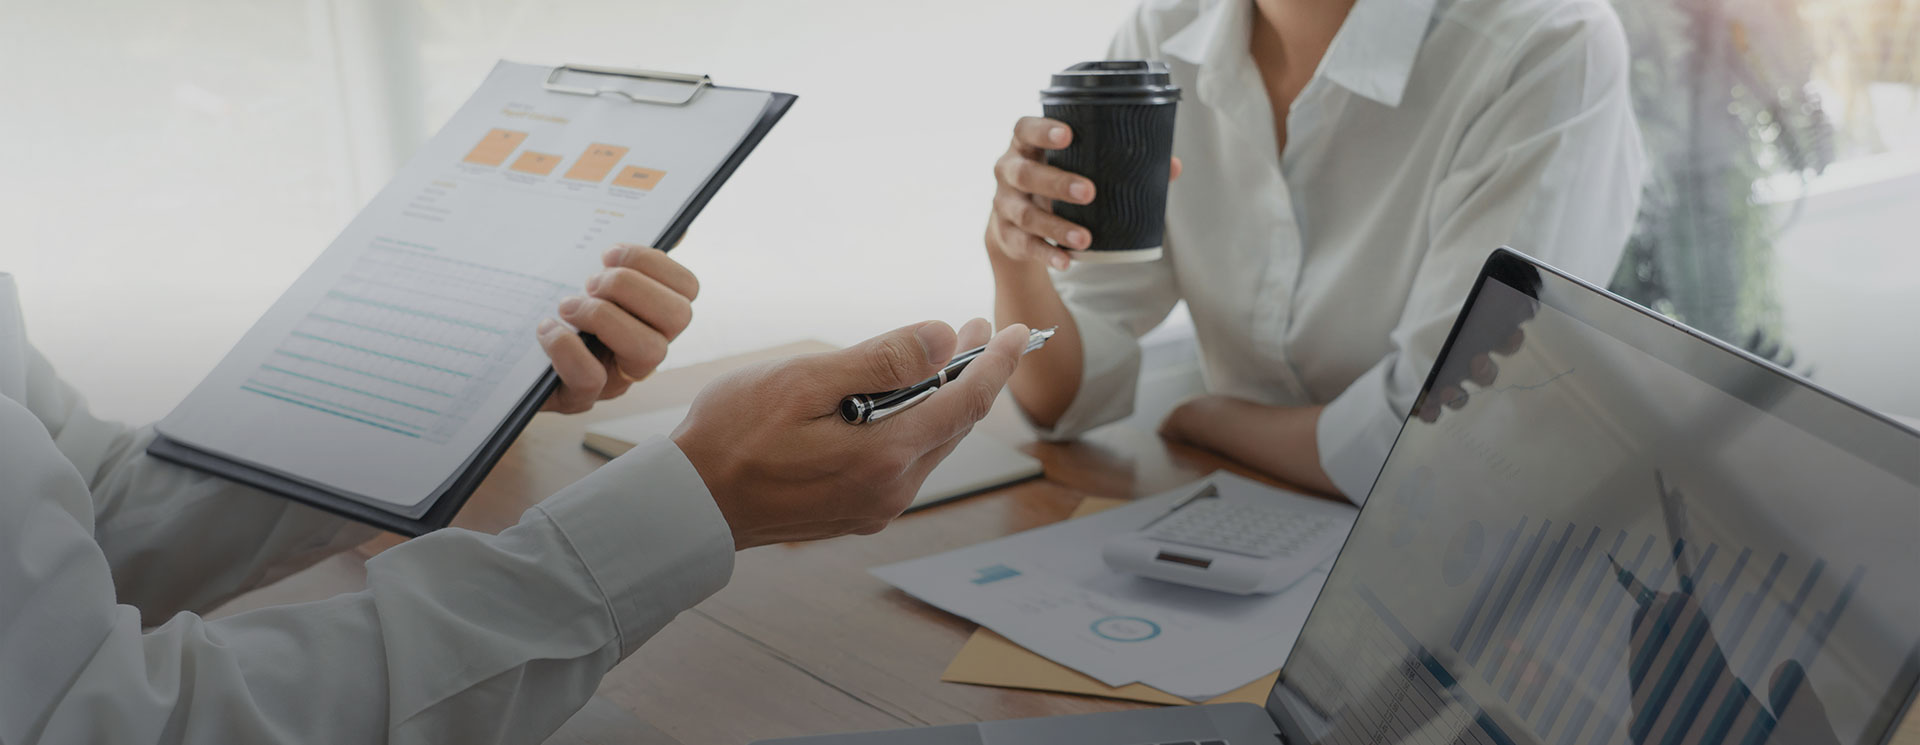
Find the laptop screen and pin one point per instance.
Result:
(1601, 528)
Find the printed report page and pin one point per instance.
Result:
(394, 357)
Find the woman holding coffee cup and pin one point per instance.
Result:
(1348, 165)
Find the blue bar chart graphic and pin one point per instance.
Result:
(1416, 700)
(1569, 639)
(1554, 616)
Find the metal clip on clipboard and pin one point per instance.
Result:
(694, 84)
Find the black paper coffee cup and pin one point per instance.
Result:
(1121, 112)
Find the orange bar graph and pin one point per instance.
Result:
(596, 162)
(538, 164)
(495, 147)
(635, 177)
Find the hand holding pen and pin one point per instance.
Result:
(769, 443)
(861, 408)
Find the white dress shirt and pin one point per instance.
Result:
(1331, 273)
(105, 555)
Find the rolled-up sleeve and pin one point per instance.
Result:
(1553, 168)
(1112, 305)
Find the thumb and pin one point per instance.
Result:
(895, 359)
(961, 403)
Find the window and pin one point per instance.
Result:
(1785, 139)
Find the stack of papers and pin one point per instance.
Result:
(1049, 590)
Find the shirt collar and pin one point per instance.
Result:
(1372, 55)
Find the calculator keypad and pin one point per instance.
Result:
(1256, 530)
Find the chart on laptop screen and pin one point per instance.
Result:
(1601, 658)
(1599, 548)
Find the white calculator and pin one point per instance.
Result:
(1246, 545)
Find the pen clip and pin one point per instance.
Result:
(860, 408)
(1206, 488)
(881, 412)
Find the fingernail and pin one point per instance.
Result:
(927, 335)
(547, 327)
(1058, 135)
(1060, 262)
(1077, 238)
(614, 256)
(1081, 190)
(571, 304)
(593, 282)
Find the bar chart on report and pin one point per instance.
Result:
(408, 342)
(591, 166)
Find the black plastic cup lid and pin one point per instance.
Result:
(1113, 81)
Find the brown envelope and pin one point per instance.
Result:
(989, 659)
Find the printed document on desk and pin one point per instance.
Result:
(398, 354)
(1049, 590)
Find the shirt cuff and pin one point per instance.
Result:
(649, 534)
(1109, 375)
(1356, 431)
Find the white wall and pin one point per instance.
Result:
(165, 171)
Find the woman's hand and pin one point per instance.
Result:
(638, 304)
(1023, 221)
(1192, 421)
(1280, 441)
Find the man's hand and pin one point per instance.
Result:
(782, 465)
(639, 303)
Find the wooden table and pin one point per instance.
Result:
(803, 640)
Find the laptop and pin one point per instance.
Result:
(1597, 526)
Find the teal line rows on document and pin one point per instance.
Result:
(425, 252)
(552, 289)
(377, 330)
(405, 244)
(335, 404)
(329, 411)
(358, 371)
(337, 295)
(419, 293)
(352, 389)
(393, 357)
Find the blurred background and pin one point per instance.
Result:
(167, 169)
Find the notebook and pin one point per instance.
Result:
(387, 381)
(980, 464)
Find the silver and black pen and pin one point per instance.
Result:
(861, 408)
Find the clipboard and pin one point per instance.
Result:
(662, 89)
